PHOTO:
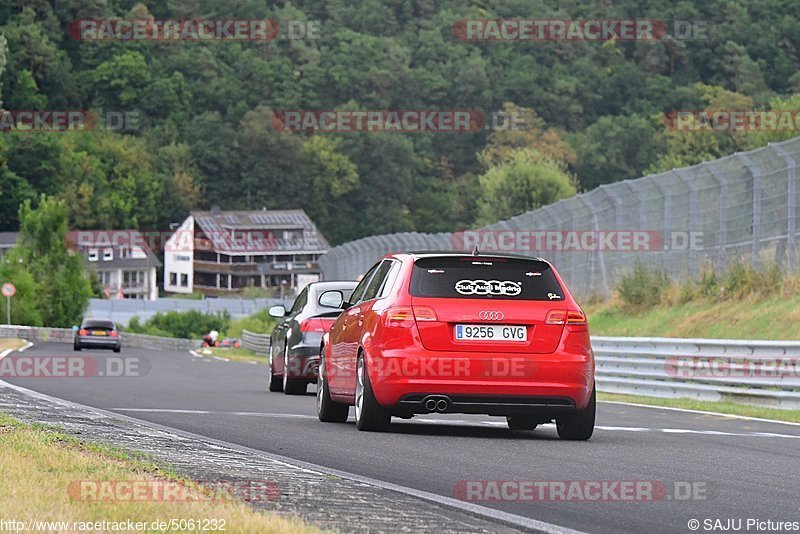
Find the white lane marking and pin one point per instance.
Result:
(221, 359)
(193, 353)
(703, 412)
(26, 346)
(441, 500)
(5, 353)
(451, 422)
(206, 412)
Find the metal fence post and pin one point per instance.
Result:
(722, 234)
(791, 206)
(667, 230)
(682, 175)
(756, 173)
(598, 252)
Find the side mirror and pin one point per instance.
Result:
(277, 311)
(331, 299)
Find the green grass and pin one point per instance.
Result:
(235, 354)
(259, 323)
(774, 317)
(724, 407)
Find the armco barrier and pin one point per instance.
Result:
(65, 335)
(258, 343)
(754, 372)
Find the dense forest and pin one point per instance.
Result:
(204, 133)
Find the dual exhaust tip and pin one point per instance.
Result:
(436, 403)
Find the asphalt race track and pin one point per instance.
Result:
(742, 468)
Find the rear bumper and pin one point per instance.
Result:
(99, 342)
(304, 361)
(415, 403)
(484, 383)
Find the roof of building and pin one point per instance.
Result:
(115, 239)
(217, 226)
(8, 239)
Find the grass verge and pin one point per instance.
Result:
(39, 466)
(235, 354)
(754, 317)
(725, 407)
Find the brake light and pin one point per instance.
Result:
(113, 333)
(424, 313)
(316, 325)
(569, 317)
(575, 317)
(402, 316)
(83, 332)
(556, 317)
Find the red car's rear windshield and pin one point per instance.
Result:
(489, 278)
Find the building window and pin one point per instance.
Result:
(108, 254)
(104, 278)
(124, 252)
(184, 280)
(92, 254)
(173, 279)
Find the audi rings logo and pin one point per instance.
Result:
(491, 315)
(489, 287)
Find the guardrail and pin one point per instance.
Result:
(258, 343)
(65, 335)
(766, 373)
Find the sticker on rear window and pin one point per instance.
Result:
(489, 287)
(552, 296)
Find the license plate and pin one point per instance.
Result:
(491, 332)
(98, 332)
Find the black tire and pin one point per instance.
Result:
(328, 410)
(522, 422)
(370, 415)
(578, 426)
(76, 346)
(117, 349)
(292, 386)
(275, 382)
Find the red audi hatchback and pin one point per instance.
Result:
(457, 333)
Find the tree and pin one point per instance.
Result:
(333, 176)
(528, 181)
(25, 304)
(45, 265)
(614, 149)
(526, 131)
